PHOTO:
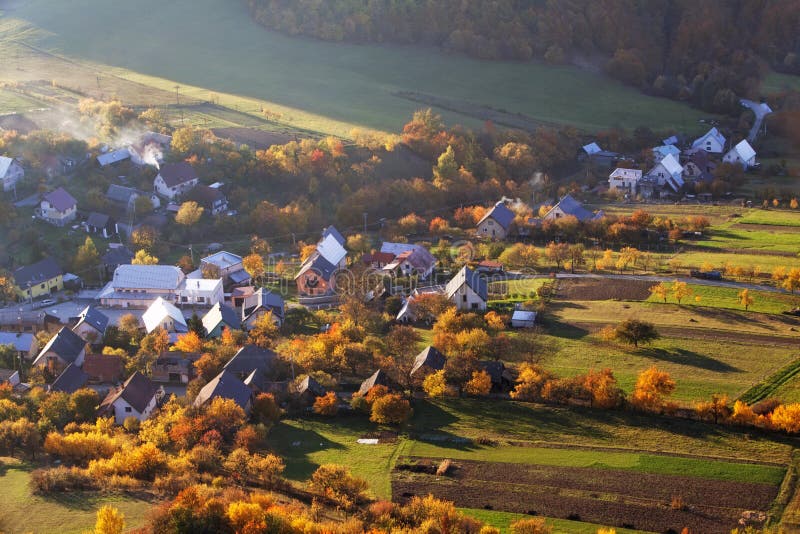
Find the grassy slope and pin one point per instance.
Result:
(213, 44)
(21, 511)
(503, 520)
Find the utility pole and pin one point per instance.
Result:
(365, 222)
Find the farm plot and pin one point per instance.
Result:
(653, 502)
(606, 289)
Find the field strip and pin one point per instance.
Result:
(764, 389)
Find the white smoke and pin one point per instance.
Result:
(152, 155)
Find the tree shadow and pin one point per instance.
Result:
(295, 445)
(565, 330)
(688, 357)
(728, 316)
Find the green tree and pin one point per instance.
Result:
(87, 260)
(633, 331)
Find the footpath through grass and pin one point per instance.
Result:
(66, 513)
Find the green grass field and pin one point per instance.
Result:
(728, 298)
(341, 85)
(772, 217)
(21, 511)
(503, 520)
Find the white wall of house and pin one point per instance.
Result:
(491, 229)
(123, 410)
(466, 299)
(733, 157)
(55, 216)
(202, 296)
(14, 174)
(88, 333)
(173, 192)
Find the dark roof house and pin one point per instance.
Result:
(36, 273)
(429, 358)
(71, 379)
(501, 214)
(263, 299)
(91, 316)
(378, 378)
(138, 391)
(66, 344)
(60, 199)
(175, 174)
(226, 385)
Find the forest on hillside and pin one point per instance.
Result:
(708, 52)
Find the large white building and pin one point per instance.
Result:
(625, 180)
(137, 286)
(175, 180)
(742, 154)
(11, 172)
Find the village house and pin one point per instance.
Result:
(137, 286)
(28, 321)
(175, 180)
(200, 292)
(316, 276)
(174, 367)
(226, 385)
(406, 313)
(90, 325)
(126, 196)
(220, 317)
(712, 141)
(9, 376)
(227, 266)
(238, 294)
(25, 345)
(254, 363)
(661, 152)
(496, 223)
(378, 378)
(11, 172)
(71, 379)
(104, 368)
(569, 207)
(100, 223)
(668, 172)
(308, 390)
(501, 377)
(426, 362)
(377, 260)
(209, 197)
(261, 302)
(698, 167)
(58, 207)
(742, 154)
(468, 290)
(137, 397)
(149, 149)
(115, 256)
(409, 260)
(64, 348)
(162, 314)
(38, 279)
(112, 157)
(597, 155)
(624, 180)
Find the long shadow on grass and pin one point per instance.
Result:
(295, 444)
(565, 330)
(728, 316)
(688, 357)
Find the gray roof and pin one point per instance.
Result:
(501, 214)
(60, 199)
(122, 194)
(115, 156)
(97, 220)
(472, 279)
(429, 357)
(227, 386)
(147, 277)
(93, 317)
(263, 299)
(20, 342)
(138, 391)
(251, 357)
(378, 378)
(496, 370)
(66, 344)
(117, 256)
(223, 259)
(71, 379)
(39, 272)
(308, 384)
(319, 265)
(177, 173)
(5, 164)
(570, 206)
(331, 230)
(221, 313)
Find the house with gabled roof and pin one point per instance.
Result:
(260, 302)
(125, 197)
(426, 362)
(496, 223)
(115, 256)
(378, 378)
(250, 359)
(409, 259)
(308, 390)
(174, 367)
(624, 180)
(699, 167)
(163, 314)
(200, 292)
(668, 172)
(468, 290)
(226, 385)
(175, 180)
(25, 345)
(9, 376)
(220, 317)
(316, 276)
(58, 207)
(90, 325)
(742, 154)
(38, 279)
(100, 223)
(64, 348)
(70, 380)
(569, 207)
(137, 397)
(712, 141)
(11, 172)
(112, 157)
(211, 198)
(228, 266)
(104, 368)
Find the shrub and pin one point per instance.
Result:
(444, 466)
(327, 404)
(390, 409)
(530, 526)
(336, 483)
(61, 479)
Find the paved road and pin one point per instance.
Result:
(760, 110)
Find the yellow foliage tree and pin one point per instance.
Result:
(189, 213)
(189, 342)
(786, 417)
(435, 384)
(479, 385)
(651, 387)
(327, 404)
(680, 290)
(745, 299)
(143, 258)
(660, 291)
(109, 521)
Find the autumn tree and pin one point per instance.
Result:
(391, 409)
(435, 384)
(189, 213)
(109, 521)
(535, 525)
(479, 385)
(651, 387)
(188, 342)
(254, 265)
(87, 260)
(660, 291)
(335, 482)
(681, 290)
(143, 258)
(745, 299)
(264, 332)
(519, 255)
(633, 331)
(558, 253)
(266, 409)
(327, 404)
(713, 410)
(603, 388)
(530, 382)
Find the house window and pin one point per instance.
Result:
(184, 299)
(463, 298)
(127, 409)
(201, 299)
(42, 286)
(474, 305)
